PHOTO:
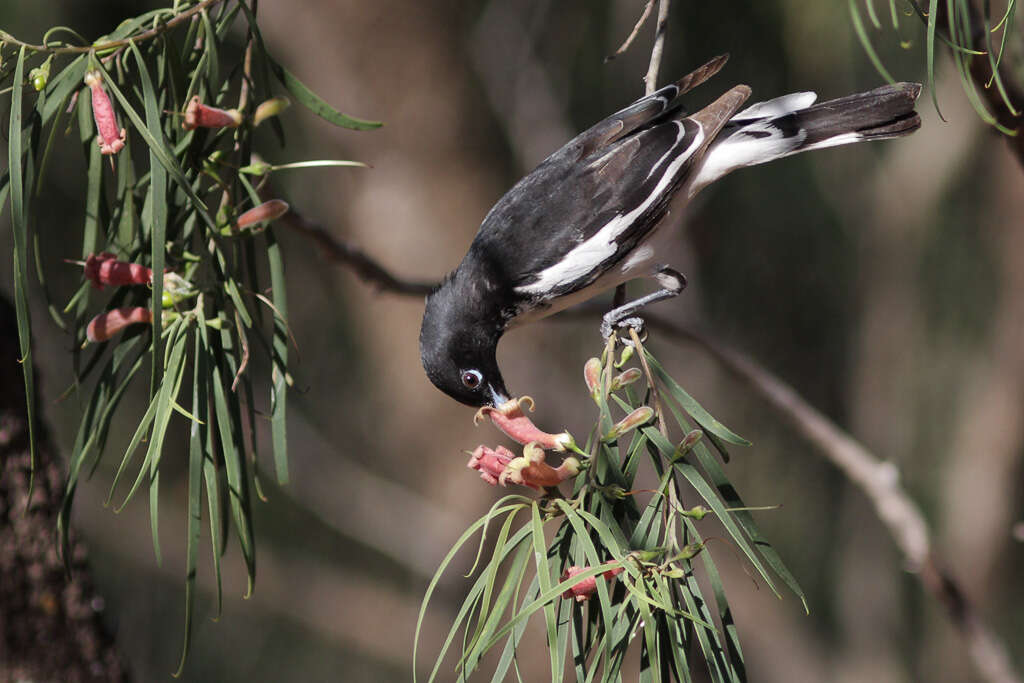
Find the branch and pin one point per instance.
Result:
(878, 480)
(355, 259)
(114, 44)
(651, 79)
(634, 33)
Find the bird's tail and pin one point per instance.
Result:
(793, 123)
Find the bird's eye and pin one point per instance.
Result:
(472, 378)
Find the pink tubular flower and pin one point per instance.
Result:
(585, 587)
(267, 211)
(111, 141)
(104, 269)
(198, 115)
(510, 419)
(490, 463)
(106, 325)
(531, 470)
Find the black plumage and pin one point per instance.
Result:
(592, 214)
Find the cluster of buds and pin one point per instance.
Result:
(105, 269)
(111, 138)
(585, 588)
(501, 466)
(592, 376)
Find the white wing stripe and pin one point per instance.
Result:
(589, 254)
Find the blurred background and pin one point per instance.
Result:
(883, 281)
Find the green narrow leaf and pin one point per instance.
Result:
(707, 635)
(652, 670)
(19, 226)
(865, 41)
(732, 638)
(62, 85)
(316, 104)
(158, 207)
(930, 54)
(462, 540)
(233, 459)
(195, 504)
(165, 158)
(730, 496)
(714, 502)
(543, 599)
(540, 558)
(690, 405)
(167, 395)
(594, 560)
(872, 14)
(492, 573)
(210, 44)
(516, 570)
(210, 474)
(140, 432)
(279, 373)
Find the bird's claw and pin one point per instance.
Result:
(610, 325)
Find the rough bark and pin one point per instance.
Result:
(50, 625)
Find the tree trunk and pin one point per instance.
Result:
(50, 625)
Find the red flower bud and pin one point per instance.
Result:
(640, 416)
(592, 374)
(104, 269)
(198, 115)
(510, 419)
(271, 107)
(111, 141)
(490, 464)
(267, 211)
(583, 589)
(626, 378)
(106, 325)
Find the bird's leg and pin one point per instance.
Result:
(672, 283)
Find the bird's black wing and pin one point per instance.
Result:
(588, 205)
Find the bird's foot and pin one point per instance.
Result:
(610, 324)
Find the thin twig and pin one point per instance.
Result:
(354, 258)
(634, 33)
(114, 44)
(651, 79)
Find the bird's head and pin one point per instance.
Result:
(458, 346)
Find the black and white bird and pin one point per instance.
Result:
(595, 213)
